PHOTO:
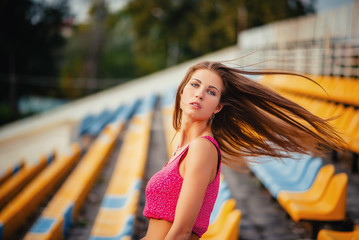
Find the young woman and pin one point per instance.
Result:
(218, 109)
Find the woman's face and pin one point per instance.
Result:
(201, 95)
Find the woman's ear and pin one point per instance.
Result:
(218, 108)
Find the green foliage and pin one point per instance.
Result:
(117, 59)
(260, 12)
(113, 47)
(169, 32)
(114, 60)
(150, 35)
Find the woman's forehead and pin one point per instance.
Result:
(207, 77)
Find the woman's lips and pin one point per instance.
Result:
(196, 105)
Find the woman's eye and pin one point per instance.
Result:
(212, 93)
(194, 85)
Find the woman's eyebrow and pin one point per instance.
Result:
(197, 80)
(210, 86)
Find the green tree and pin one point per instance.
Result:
(101, 50)
(117, 59)
(169, 32)
(150, 35)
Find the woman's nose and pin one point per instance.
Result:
(199, 95)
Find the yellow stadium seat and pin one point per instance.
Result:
(315, 107)
(353, 95)
(353, 126)
(14, 185)
(325, 234)
(353, 143)
(352, 133)
(314, 193)
(312, 97)
(331, 207)
(229, 230)
(216, 227)
(338, 114)
(345, 119)
(4, 176)
(67, 202)
(347, 91)
(115, 218)
(29, 199)
(329, 110)
(337, 89)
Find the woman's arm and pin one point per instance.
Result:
(200, 168)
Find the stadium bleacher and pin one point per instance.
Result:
(116, 216)
(17, 212)
(15, 184)
(322, 192)
(327, 204)
(64, 207)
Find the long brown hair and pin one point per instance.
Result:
(257, 121)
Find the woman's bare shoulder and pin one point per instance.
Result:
(202, 142)
(202, 148)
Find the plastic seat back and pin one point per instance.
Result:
(321, 181)
(315, 192)
(336, 195)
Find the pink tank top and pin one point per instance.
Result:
(164, 187)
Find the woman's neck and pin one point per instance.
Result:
(192, 130)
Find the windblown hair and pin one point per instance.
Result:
(257, 121)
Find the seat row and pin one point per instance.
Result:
(342, 108)
(26, 203)
(343, 96)
(18, 181)
(5, 174)
(115, 219)
(295, 173)
(122, 193)
(337, 89)
(305, 189)
(167, 101)
(225, 219)
(92, 124)
(21, 208)
(345, 119)
(325, 234)
(65, 205)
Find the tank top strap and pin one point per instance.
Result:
(215, 144)
(178, 157)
